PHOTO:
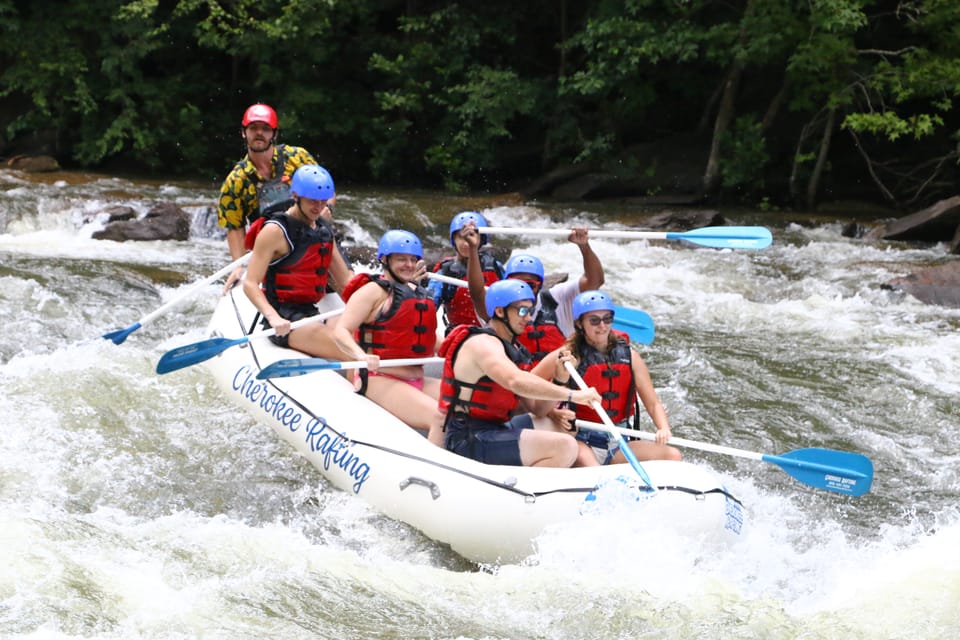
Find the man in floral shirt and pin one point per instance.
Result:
(260, 183)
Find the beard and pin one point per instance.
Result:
(259, 144)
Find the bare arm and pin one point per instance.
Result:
(484, 355)
(339, 270)
(235, 238)
(592, 277)
(475, 283)
(235, 244)
(648, 396)
(362, 307)
(270, 245)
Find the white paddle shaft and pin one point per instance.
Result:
(679, 442)
(593, 233)
(195, 289)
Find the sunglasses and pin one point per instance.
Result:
(522, 312)
(596, 320)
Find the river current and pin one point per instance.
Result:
(134, 505)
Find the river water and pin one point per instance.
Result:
(134, 505)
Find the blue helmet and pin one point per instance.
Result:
(591, 301)
(460, 221)
(503, 293)
(523, 263)
(312, 181)
(399, 241)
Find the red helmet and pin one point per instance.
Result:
(260, 113)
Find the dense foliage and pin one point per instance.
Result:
(773, 100)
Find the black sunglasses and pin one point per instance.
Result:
(596, 320)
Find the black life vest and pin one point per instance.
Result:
(300, 277)
(273, 195)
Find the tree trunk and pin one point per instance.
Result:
(711, 176)
(774, 107)
(814, 184)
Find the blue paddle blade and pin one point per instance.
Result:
(120, 335)
(635, 323)
(838, 471)
(194, 353)
(726, 237)
(297, 367)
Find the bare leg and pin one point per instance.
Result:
(414, 407)
(316, 339)
(547, 449)
(585, 455)
(644, 451)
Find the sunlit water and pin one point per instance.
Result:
(134, 505)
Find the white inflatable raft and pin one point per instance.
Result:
(485, 513)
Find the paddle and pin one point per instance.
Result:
(197, 352)
(713, 237)
(635, 323)
(838, 471)
(300, 366)
(120, 335)
(624, 447)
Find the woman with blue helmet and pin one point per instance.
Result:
(456, 301)
(605, 361)
(391, 316)
(293, 256)
(485, 394)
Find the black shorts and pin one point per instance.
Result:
(291, 312)
(489, 442)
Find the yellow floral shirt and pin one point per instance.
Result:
(238, 195)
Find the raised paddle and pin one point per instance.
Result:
(635, 323)
(197, 352)
(300, 366)
(624, 447)
(713, 237)
(120, 335)
(838, 471)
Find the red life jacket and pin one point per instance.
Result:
(300, 277)
(457, 304)
(408, 329)
(542, 335)
(612, 376)
(488, 401)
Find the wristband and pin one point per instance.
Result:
(570, 398)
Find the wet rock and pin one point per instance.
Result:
(937, 223)
(685, 220)
(939, 284)
(33, 164)
(165, 221)
(119, 212)
(852, 230)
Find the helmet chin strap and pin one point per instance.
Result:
(303, 214)
(386, 265)
(514, 335)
